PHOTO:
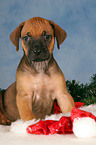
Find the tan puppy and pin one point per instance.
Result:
(39, 80)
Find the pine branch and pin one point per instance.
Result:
(83, 93)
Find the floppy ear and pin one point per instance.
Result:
(15, 35)
(60, 34)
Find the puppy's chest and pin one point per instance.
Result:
(42, 101)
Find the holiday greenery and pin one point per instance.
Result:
(83, 93)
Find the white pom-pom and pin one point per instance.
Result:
(84, 127)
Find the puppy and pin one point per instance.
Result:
(39, 80)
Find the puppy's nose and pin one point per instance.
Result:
(36, 51)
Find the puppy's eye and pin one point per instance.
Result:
(47, 37)
(26, 38)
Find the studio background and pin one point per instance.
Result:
(77, 56)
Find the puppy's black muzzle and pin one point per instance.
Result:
(38, 51)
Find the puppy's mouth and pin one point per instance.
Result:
(40, 59)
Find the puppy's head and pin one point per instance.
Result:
(37, 38)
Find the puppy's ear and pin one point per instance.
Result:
(60, 34)
(15, 35)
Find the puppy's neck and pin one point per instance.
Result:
(38, 67)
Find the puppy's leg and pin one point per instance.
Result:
(24, 108)
(64, 99)
(65, 102)
(4, 120)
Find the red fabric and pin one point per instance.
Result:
(77, 113)
(79, 104)
(63, 126)
(40, 128)
(57, 109)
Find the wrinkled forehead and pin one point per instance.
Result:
(36, 26)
